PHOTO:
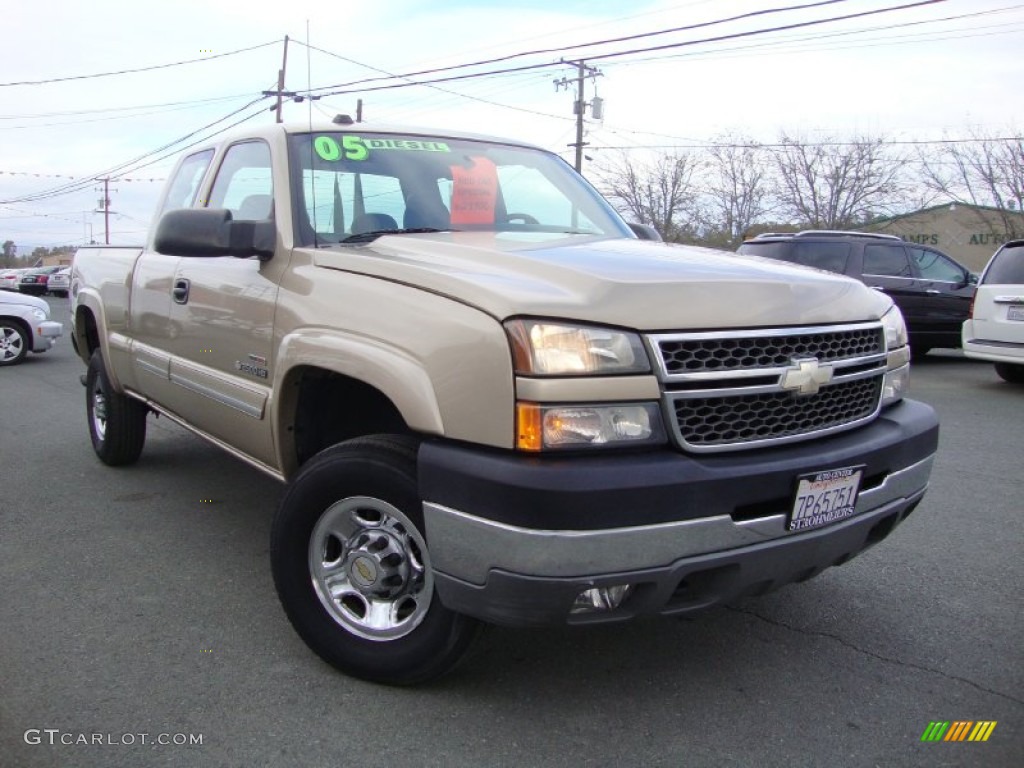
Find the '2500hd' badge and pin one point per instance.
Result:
(257, 366)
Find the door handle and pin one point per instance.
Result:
(932, 291)
(180, 292)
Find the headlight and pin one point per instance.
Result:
(38, 314)
(897, 375)
(895, 329)
(543, 348)
(547, 427)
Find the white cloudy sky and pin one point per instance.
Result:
(935, 71)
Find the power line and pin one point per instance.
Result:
(782, 145)
(793, 40)
(136, 163)
(62, 176)
(102, 110)
(457, 94)
(563, 49)
(137, 69)
(347, 87)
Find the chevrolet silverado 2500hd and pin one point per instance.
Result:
(490, 401)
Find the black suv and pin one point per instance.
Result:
(932, 290)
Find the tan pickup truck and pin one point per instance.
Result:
(492, 402)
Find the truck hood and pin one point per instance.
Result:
(630, 283)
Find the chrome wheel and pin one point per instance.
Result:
(99, 411)
(370, 568)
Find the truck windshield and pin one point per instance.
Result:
(352, 184)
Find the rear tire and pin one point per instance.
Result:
(14, 342)
(352, 569)
(117, 423)
(1010, 372)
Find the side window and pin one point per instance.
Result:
(181, 192)
(934, 266)
(828, 256)
(1007, 267)
(887, 261)
(244, 182)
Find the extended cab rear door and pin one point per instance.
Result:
(222, 310)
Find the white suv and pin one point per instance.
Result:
(995, 330)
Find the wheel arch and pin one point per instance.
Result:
(91, 331)
(331, 388)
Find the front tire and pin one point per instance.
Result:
(117, 423)
(352, 568)
(1010, 372)
(14, 342)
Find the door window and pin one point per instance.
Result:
(244, 182)
(934, 266)
(887, 261)
(181, 192)
(828, 256)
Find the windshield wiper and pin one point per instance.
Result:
(369, 237)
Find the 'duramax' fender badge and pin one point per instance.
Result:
(257, 366)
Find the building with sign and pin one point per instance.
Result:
(968, 233)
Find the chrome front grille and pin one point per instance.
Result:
(732, 390)
(715, 421)
(691, 355)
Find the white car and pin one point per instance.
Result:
(60, 282)
(25, 325)
(995, 330)
(9, 279)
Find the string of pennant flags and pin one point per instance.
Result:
(65, 176)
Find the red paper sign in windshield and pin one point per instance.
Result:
(474, 192)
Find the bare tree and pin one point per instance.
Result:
(986, 170)
(659, 192)
(737, 189)
(838, 185)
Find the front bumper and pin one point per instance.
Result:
(514, 539)
(45, 335)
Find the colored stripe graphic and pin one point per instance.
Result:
(958, 730)
(935, 730)
(982, 730)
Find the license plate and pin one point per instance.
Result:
(1015, 313)
(824, 497)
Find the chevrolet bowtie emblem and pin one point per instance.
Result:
(806, 376)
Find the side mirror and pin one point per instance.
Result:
(645, 231)
(212, 232)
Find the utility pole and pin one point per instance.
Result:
(104, 208)
(580, 105)
(280, 78)
(281, 92)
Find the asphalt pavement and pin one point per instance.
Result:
(139, 625)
